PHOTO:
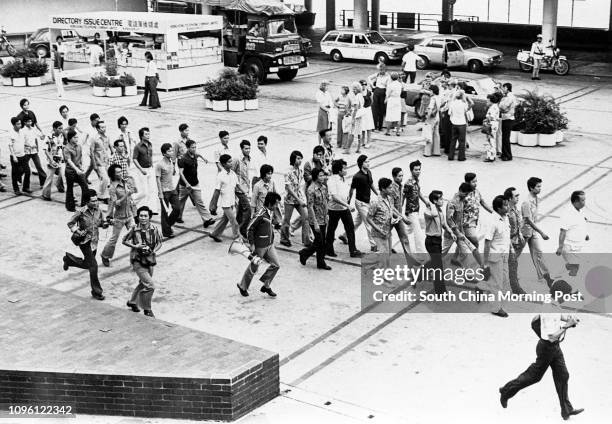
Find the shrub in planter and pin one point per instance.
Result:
(250, 93)
(129, 85)
(99, 83)
(111, 68)
(19, 73)
(115, 88)
(541, 115)
(35, 69)
(7, 71)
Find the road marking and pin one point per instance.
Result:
(325, 72)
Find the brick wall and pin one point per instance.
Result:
(164, 397)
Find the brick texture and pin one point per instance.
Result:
(53, 352)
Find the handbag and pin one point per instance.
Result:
(486, 127)
(469, 115)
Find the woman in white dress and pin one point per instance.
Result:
(431, 131)
(393, 100)
(367, 119)
(325, 102)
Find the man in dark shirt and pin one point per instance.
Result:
(412, 196)
(189, 185)
(362, 185)
(145, 177)
(75, 173)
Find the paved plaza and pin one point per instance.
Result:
(337, 363)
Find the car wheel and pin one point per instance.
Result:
(254, 68)
(287, 74)
(336, 56)
(381, 56)
(42, 51)
(475, 66)
(422, 63)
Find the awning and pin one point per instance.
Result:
(257, 7)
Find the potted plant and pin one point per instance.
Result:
(129, 85)
(115, 88)
(19, 73)
(236, 91)
(208, 88)
(542, 117)
(218, 96)
(6, 71)
(519, 124)
(99, 83)
(35, 70)
(250, 93)
(111, 68)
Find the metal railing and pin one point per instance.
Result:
(404, 20)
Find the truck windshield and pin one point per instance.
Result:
(280, 27)
(467, 43)
(375, 38)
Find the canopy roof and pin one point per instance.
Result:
(257, 7)
(142, 22)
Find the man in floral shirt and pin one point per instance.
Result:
(317, 198)
(54, 151)
(380, 217)
(516, 238)
(295, 199)
(471, 209)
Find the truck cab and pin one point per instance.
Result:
(260, 45)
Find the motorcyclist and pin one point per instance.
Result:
(537, 53)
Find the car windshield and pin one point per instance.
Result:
(375, 38)
(467, 43)
(281, 27)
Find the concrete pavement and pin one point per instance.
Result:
(339, 364)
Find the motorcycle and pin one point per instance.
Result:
(552, 60)
(11, 50)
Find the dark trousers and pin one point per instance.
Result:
(20, 169)
(243, 214)
(506, 126)
(379, 108)
(42, 175)
(433, 244)
(150, 93)
(71, 178)
(317, 246)
(458, 133)
(445, 129)
(88, 261)
(410, 75)
(548, 355)
(349, 228)
(167, 221)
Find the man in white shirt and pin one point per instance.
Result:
(409, 63)
(223, 149)
(61, 52)
(552, 329)
(457, 109)
(496, 253)
(259, 157)
(339, 209)
(95, 53)
(225, 196)
(151, 81)
(537, 53)
(573, 233)
(19, 160)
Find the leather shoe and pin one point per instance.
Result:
(66, 266)
(356, 254)
(285, 243)
(331, 254)
(343, 239)
(215, 238)
(268, 291)
(180, 221)
(302, 258)
(105, 261)
(500, 313)
(149, 313)
(243, 292)
(325, 267)
(503, 399)
(209, 223)
(572, 412)
(98, 296)
(133, 307)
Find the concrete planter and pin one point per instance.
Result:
(560, 136)
(527, 140)
(547, 140)
(208, 103)
(34, 81)
(235, 105)
(251, 104)
(219, 105)
(514, 135)
(19, 82)
(7, 81)
(113, 92)
(130, 90)
(99, 91)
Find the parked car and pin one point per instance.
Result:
(456, 51)
(39, 41)
(476, 87)
(365, 45)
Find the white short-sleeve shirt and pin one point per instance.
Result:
(499, 236)
(410, 60)
(226, 184)
(574, 223)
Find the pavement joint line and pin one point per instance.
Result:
(324, 72)
(573, 92)
(17, 203)
(579, 96)
(356, 342)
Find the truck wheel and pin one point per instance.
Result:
(287, 74)
(255, 69)
(422, 63)
(382, 55)
(42, 51)
(336, 56)
(475, 66)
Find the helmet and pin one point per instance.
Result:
(540, 36)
